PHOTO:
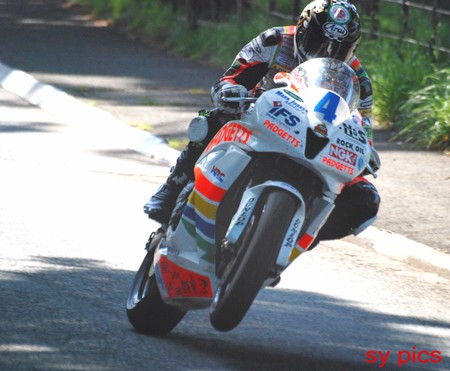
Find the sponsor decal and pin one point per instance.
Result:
(337, 165)
(232, 132)
(298, 75)
(244, 213)
(215, 171)
(292, 100)
(350, 145)
(339, 14)
(293, 232)
(284, 57)
(280, 112)
(293, 95)
(277, 103)
(343, 154)
(282, 95)
(335, 31)
(321, 130)
(282, 133)
(360, 163)
(352, 132)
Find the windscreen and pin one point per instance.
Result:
(330, 74)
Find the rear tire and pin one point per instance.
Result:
(146, 311)
(258, 248)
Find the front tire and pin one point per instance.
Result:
(146, 311)
(258, 248)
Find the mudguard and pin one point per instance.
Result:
(245, 210)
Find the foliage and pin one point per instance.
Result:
(396, 69)
(425, 116)
(393, 75)
(217, 43)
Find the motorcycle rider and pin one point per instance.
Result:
(325, 28)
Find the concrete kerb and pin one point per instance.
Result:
(401, 248)
(68, 108)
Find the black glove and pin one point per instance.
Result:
(229, 90)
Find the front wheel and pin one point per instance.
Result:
(257, 250)
(146, 311)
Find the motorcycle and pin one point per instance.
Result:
(263, 188)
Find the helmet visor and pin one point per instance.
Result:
(319, 46)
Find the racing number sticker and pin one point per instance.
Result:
(328, 106)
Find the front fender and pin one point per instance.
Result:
(249, 201)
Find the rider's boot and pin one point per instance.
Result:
(160, 206)
(162, 203)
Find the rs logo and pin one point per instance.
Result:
(290, 120)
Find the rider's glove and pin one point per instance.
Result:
(228, 90)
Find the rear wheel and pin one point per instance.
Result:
(146, 311)
(245, 273)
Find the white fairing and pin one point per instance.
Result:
(311, 121)
(282, 119)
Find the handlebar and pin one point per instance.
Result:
(239, 99)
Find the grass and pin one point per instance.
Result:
(425, 116)
(178, 143)
(393, 76)
(147, 101)
(141, 125)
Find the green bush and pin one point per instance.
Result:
(393, 75)
(425, 116)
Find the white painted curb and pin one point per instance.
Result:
(399, 247)
(68, 108)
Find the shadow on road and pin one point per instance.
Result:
(72, 312)
(43, 37)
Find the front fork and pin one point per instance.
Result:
(154, 239)
(294, 243)
(249, 201)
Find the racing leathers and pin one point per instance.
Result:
(273, 51)
(252, 71)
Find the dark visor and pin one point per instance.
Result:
(321, 47)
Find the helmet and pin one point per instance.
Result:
(327, 28)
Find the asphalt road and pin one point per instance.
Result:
(72, 233)
(72, 230)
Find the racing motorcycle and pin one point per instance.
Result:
(263, 188)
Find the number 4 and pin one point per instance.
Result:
(328, 106)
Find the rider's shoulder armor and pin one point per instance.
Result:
(271, 37)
